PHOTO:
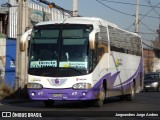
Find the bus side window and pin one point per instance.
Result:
(94, 54)
(100, 52)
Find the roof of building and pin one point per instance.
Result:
(3, 10)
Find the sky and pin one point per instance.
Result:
(119, 13)
(147, 25)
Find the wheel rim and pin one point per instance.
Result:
(102, 96)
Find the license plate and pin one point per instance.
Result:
(57, 95)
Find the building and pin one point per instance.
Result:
(3, 32)
(148, 55)
(32, 14)
(151, 57)
(3, 21)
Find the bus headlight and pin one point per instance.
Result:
(82, 86)
(34, 86)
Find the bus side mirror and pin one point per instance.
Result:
(92, 39)
(24, 39)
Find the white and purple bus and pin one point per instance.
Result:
(82, 58)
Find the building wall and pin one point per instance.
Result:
(156, 65)
(148, 60)
(10, 62)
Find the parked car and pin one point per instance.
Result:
(152, 81)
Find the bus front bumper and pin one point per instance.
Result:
(63, 94)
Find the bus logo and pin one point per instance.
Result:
(57, 81)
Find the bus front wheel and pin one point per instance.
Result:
(99, 102)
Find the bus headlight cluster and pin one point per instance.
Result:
(82, 86)
(34, 86)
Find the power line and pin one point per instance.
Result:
(148, 45)
(144, 15)
(124, 12)
(153, 8)
(147, 26)
(152, 45)
(146, 33)
(148, 12)
(129, 26)
(129, 3)
(57, 7)
(115, 9)
(36, 2)
(43, 11)
(149, 16)
(153, 34)
(146, 39)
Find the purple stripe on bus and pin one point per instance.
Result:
(135, 74)
(111, 79)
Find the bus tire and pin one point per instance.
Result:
(99, 102)
(48, 103)
(131, 96)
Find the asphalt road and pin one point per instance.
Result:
(143, 103)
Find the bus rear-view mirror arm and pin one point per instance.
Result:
(92, 38)
(24, 39)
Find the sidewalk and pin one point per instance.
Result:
(14, 100)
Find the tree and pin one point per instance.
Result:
(156, 42)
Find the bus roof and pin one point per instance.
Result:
(79, 20)
(84, 20)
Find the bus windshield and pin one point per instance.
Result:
(59, 46)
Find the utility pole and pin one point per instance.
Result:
(19, 29)
(21, 58)
(137, 16)
(75, 8)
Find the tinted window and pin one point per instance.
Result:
(125, 42)
(151, 77)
